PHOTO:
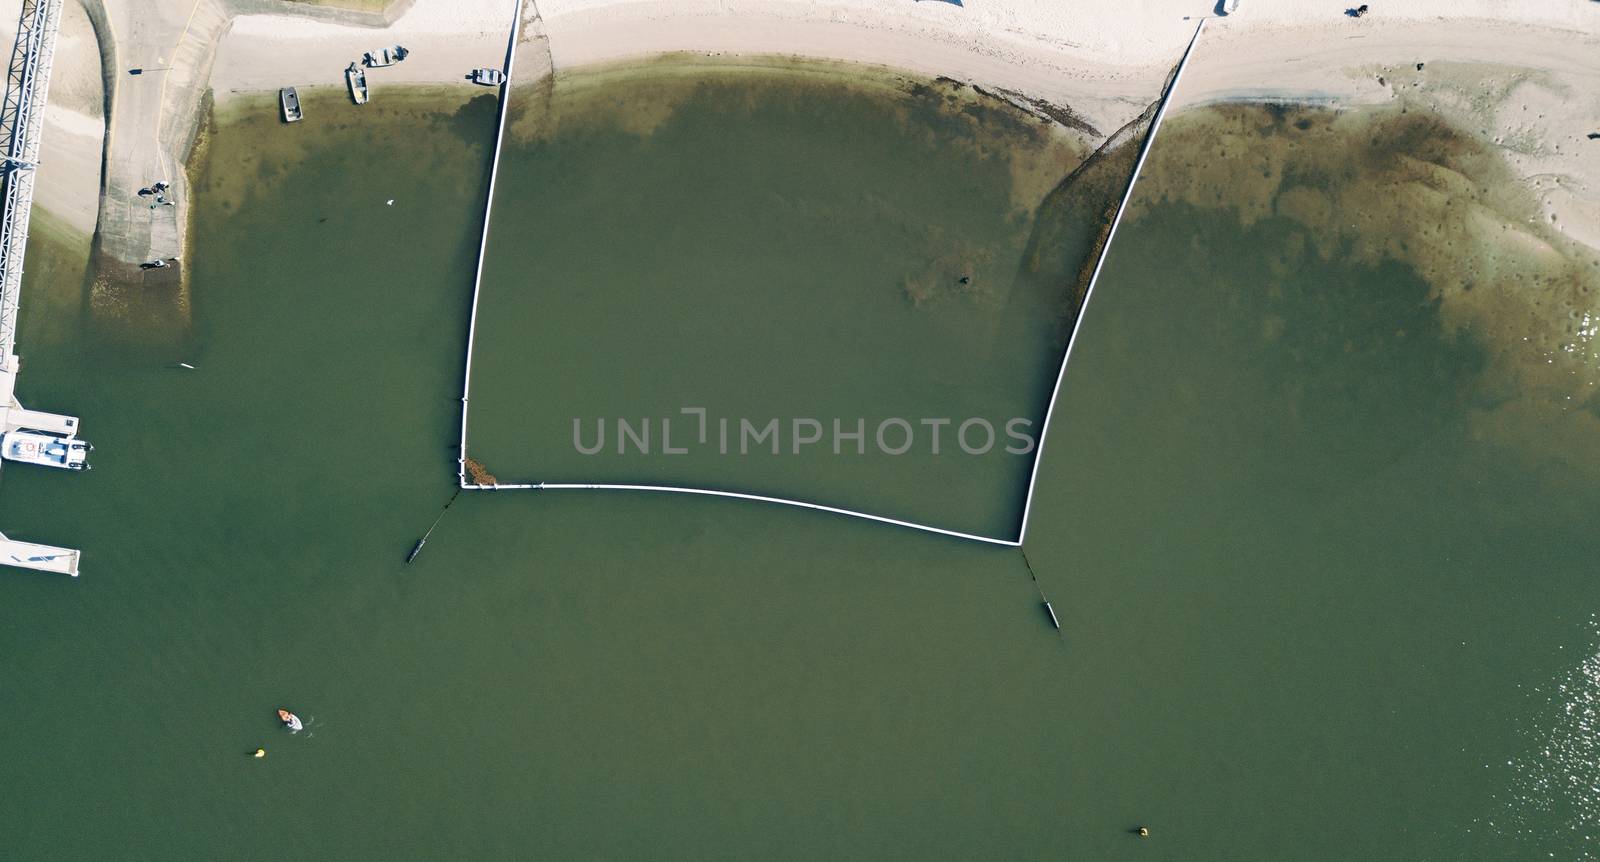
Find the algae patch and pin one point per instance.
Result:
(1398, 184)
(1038, 146)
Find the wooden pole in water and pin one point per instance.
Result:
(1048, 608)
(417, 548)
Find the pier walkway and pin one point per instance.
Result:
(21, 126)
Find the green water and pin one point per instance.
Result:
(794, 258)
(1311, 609)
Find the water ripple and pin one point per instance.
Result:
(1553, 801)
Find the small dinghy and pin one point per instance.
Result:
(384, 56)
(356, 77)
(290, 720)
(488, 77)
(290, 100)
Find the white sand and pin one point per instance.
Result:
(447, 39)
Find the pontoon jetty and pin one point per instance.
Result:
(31, 434)
(45, 558)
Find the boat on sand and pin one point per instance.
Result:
(384, 56)
(356, 78)
(290, 100)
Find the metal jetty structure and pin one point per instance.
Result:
(21, 126)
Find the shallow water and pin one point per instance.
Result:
(837, 256)
(1312, 610)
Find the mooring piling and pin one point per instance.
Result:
(417, 548)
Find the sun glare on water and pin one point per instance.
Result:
(1556, 779)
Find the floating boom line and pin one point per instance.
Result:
(1088, 293)
(1033, 476)
(483, 244)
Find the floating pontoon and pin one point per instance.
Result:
(43, 558)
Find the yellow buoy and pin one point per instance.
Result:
(1144, 831)
(261, 752)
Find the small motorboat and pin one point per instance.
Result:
(384, 57)
(291, 105)
(356, 77)
(488, 77)
(290, 720)
(46, 450)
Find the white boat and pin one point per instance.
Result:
(488, 77)
(48, 450)
(384, 56)
(291, 105)
(290, 720)
(356, 77)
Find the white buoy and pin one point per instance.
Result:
(391, 202)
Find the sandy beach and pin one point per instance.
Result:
(446, 40)
(1520, 74)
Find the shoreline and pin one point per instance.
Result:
(1539, 65)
